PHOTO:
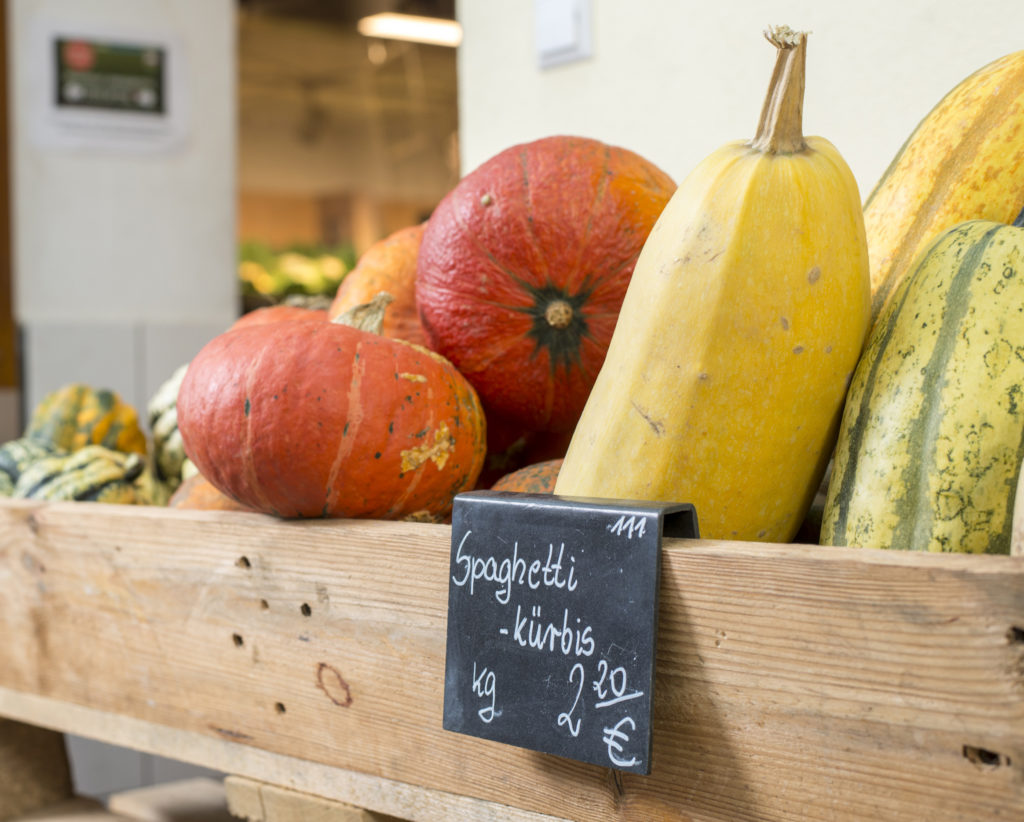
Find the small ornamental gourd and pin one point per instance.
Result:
(932, 437)
(162, 414)
(17, 455)
(309, 419)
(522, 268)
(77, 415)
(738, 335)
(90, 474)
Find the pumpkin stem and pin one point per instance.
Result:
(1019, 222)
(366, 316)
(780, 129)
(558, 314)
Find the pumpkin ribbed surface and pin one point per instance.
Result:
(320, 419)
(523, 267)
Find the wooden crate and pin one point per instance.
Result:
(793, 682)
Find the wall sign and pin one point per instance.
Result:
(112, 89)
(110, 76)
(552, 622)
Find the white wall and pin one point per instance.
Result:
(124, 261)
(673, 80)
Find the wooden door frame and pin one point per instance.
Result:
(10, 377)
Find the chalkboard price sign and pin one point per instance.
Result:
(552, 621)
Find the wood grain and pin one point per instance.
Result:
(794, 682)
(260, 802)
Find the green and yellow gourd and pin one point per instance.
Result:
(741, 326)
(77, 415)
(932, 436)
(17, 455)
(170, 464)
(90, 474)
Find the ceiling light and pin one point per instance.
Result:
(431, 30)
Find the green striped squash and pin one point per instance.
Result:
(90, 474)
(932, 434)
(162, 413)
(17, 455)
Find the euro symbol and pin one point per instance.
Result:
(611, 739)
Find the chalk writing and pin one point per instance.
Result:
(551, 623)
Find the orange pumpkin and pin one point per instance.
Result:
(538, 478)
(198, 493)
(310, 419)
(277, 313)
(523, 266)
(388, 265)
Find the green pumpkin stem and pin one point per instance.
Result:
(366, 316)
(780, 129)
(1019, 222)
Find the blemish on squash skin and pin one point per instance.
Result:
(785, 323)
(657, 426)
(247, 406)
(413, 377)
(814, 275)
(798, 349)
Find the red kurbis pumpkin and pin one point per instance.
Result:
(307, 419)
(523, 267)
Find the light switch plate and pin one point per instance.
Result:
(562, 29)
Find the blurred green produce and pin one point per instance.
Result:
(269, 275)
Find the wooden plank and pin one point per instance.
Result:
(79, 809)
(412, 802)
(794, 682)
(34, 770)
(199, 799)
(260, 802)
